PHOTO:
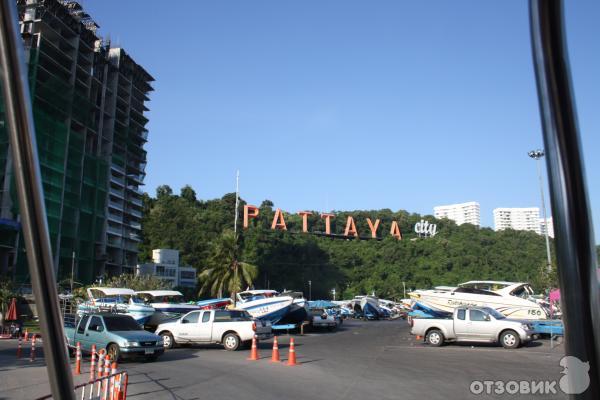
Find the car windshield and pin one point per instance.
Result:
(121, 323)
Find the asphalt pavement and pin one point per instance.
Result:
(362, 360)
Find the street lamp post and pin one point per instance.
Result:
(537, 155)
(309, 290)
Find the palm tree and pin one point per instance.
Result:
(225, 272)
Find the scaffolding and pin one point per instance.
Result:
(88, 103)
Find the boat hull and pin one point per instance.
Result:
(511, 308)
(272, 309)
(164, 312)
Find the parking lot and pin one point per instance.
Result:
(362, 360)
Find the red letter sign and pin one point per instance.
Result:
(373, 227)
(350, 227)
(278, 221)
(304, 215)
(395, 231)
(248, 216)
(327, 218)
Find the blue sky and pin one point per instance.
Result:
(351, 104)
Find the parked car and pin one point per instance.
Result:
(231, 328)
(119, 334)
(320, 318)
(473, 324)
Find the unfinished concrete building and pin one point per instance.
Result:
(88, 102)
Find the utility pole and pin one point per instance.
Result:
(537, 155)
(309, 290)
(333, 291)
(404, 289)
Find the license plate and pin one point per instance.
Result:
(149, 351)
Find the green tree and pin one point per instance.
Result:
(137, 282)
(225, 272)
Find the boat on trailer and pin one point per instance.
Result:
(513, 299)
(116, 300)
(167, 304)
(265, 305)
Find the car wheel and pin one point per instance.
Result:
(113, 351)
(510, 339)
(168, 340)
(231, 342)
(435, 337)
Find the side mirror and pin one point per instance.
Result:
(99, 328)
(487, 318)
(184, 321)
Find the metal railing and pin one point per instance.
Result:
(111, 387)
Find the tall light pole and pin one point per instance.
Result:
(537, 155)
(309, 290)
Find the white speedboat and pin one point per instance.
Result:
(167, 304)
(117, 300)
(297, 312)
(510, 298)
(265, 305)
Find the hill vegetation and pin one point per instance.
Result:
(290, 259)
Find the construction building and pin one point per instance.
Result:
(88, 101)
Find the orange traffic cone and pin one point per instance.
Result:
(101, 363)
(254, 351)
(32, 354)
(93, 363)
(106, 365)
(111, 389)
(275, 356)
(78, 359)
(292, 354)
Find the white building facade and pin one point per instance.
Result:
(547, 223)
(520, 219)
(165, 265)
(463, 213)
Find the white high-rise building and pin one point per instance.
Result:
(543, 225)
(463, 213)
(520, 219)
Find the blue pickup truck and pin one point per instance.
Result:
(119, 334)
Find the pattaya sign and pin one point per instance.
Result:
(252, 212)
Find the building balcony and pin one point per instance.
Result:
(118, 193)
(114, 230)
(135, 189)
(118, 168)
(115, 205)
(115, 217)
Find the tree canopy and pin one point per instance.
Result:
(288, 260)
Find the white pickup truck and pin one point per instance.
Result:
(473, 324)
(228, 327)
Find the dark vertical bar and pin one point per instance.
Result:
(22, 139)
(572, 218)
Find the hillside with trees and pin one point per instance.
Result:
(290, 259)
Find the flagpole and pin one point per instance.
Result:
(237, 200)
